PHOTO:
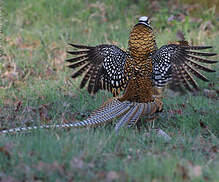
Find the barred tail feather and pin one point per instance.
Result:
(128, 117)
(29, 128)
(145, 109)
(112, 110)
(128, 111)
(106, 114)
(139, 112)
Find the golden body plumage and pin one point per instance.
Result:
(139, 68)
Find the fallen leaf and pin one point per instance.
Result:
(112, 175)
(195, 171)
(214, 149)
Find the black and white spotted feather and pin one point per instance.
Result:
(102, 66)
(176, 64)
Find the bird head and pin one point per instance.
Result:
(144, 20)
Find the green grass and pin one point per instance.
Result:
(36, 88)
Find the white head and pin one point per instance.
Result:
(144, 20)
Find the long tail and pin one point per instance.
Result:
(128, 111)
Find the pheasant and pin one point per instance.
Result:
(140, 73)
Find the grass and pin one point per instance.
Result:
(36, 88)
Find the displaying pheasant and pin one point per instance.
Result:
(141, 72)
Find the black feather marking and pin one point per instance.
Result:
(81, 71)
(125, 119)
(198, 66)
(103, 85)
(110, 57)
(104, 79)
(201, 53)
(186, 84)
(92, 80)
(80, 46)
(78, 64)
(181, 56)
(189, 78)
(201, 60)
(182, 76)
(111, 88)
(78, 52)
(86, 78)
(196, 47)
(196, 73)
(97, 84)
(76, 59)
(96, 58)
(177, 74)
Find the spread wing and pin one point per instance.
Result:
(102, 66)
(178, 63)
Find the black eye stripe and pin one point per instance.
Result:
(143, 21)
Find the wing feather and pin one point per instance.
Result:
(102, 65)
(179, 63)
